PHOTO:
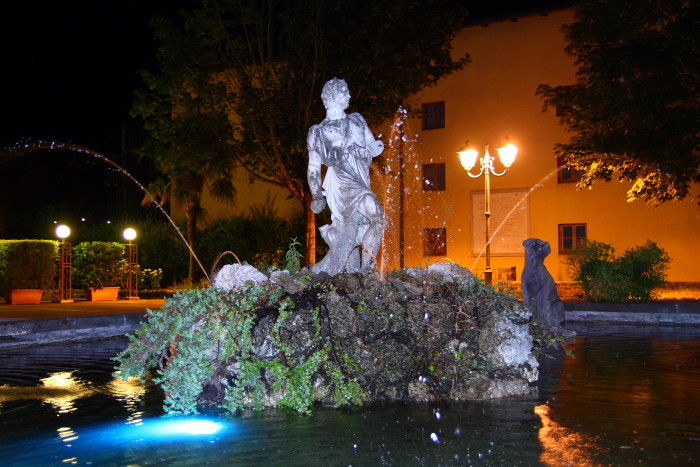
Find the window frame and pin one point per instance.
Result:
(564, 168)
(433, 115)
(435, 241)
(575, 239)
(438, 179)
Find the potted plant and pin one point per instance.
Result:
(27, 268)
(100, 268)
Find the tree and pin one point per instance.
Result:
(187, 133)
(635, 108)
(262, 64)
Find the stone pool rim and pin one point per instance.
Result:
(110, 319)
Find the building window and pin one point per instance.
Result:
(566, 173)
(433, 177)
(435, 242)
(571, 236)
(434, 115)
(563, 110)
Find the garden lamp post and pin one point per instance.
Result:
(132, 280)
(65, 266)
(468, 159)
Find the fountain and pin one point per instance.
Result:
(339, 334)
(401, 180)
(518, 205)
(29, 147)
(457, 351)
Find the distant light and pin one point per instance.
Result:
(82, 219)
(129, 234)
(62, 231)
(109, 222)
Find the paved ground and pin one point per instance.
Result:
(46, 323)
(78, 308)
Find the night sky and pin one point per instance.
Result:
(69, 71)
(69, 67)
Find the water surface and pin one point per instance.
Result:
(630, 395)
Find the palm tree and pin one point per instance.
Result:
(186, 190)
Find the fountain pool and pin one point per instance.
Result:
(630, 396)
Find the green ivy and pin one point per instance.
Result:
(296, 383)
(347, 390)
(198, 332)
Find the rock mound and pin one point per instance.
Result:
(418, 335)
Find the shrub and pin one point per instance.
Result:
(607, 277)
(28, 264)
(99, 264)
(259, 238)
(160, 246)
(150, 279)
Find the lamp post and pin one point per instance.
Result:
(65, 266)
(132, 282)
(468, 159)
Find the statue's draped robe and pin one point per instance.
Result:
(346, 183)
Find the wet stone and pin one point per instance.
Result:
(414, 336)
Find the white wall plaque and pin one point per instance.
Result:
(510, 222)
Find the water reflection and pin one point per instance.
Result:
(59, 389)
(563, 446)
(625, 398)
(130, 393)
(62, 389)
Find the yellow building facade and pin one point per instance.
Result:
(492, 101)
(436, 211)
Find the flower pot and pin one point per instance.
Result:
(23, 296)
(102, 294)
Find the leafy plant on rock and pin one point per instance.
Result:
(204, 338)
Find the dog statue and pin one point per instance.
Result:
(539, 290)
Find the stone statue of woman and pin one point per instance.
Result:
(345, 144)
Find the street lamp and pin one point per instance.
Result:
(65, 265)
(132, 280)
(468, 159)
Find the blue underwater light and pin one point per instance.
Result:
(170, 429)
(178, 426)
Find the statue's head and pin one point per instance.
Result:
(334, 91)
(536, 248)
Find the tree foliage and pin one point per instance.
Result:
(635, 109)
(187, 132)
(258, 66)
